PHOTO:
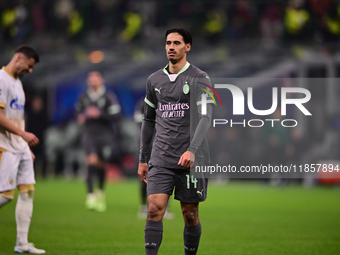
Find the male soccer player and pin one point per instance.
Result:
(98, 109)
(172, 109)
(16, 159)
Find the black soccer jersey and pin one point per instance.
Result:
(108, 105)
(175, 98)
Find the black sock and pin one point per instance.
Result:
(101, 177)
(153, 234)
(191, 237)
(91, 172)
(143, 192)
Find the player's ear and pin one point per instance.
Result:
(188, 47)
(18, 56)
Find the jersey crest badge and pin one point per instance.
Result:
(186, 88)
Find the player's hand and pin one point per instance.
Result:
(92, 112)
(33, 156)
(30, 138)
(142, 171)
(187, 159)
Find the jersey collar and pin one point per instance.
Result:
(95, 95)
(173, 77)
(8, 72)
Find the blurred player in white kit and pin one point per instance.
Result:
(16, 158)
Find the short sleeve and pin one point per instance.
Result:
(150, 98)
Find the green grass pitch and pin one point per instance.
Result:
(237, 218)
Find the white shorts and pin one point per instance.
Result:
(15, 169)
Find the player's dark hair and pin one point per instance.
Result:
(185, 34)
(29, 52)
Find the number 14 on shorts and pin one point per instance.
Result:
(192, 180)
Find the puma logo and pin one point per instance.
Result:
(158, 90)
(200, 192)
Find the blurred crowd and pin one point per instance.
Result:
(307, 21)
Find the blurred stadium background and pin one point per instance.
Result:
(125, 40)
(231, 39)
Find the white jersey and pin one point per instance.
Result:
(12, 100)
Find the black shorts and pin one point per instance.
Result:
(102, 145)
(188, 189)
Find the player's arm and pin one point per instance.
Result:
(148, 127)
(30, 138)
(188, 158)
(33, 156)
(202, 129)
(79, 107)
(112, 113)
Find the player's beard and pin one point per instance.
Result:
(174, 60)
(179, 55)
(22, 73)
